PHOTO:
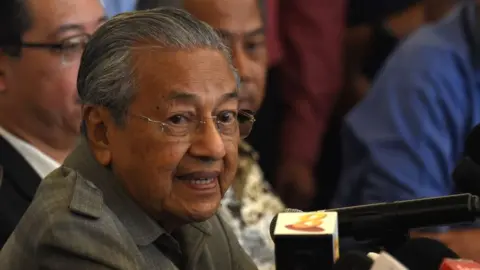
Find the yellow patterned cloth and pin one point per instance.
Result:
(249, 206)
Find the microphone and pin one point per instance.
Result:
(423, 254)
(352, 260)
(305, 241)
(451, 264)
(374, 221)
(472, 144)
(377, 221)
(467, 173)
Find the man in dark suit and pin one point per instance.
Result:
(41, 43)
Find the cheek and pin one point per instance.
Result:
(231, 162)
(54, 86)
(260, 73)
(147, 164)
(62, 84)
(157, 160)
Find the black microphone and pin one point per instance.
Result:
(472, 144)
(423, 254)
(353, 260)
(467, 173)
(377, 221)
(466, 176)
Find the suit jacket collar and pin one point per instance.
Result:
(17, 170)
(142, 228)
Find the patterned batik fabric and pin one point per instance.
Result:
(249, 206)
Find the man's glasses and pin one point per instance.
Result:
(70, 49)
(226, 122)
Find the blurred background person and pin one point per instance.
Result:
(374, 28)
(249, 205)
(403, 140)
(305, 39)
(41, 43)
(305, 42)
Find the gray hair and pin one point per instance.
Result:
(148, 4)
(106, 75)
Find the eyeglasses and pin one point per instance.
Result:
(71, 48)
(226, 122)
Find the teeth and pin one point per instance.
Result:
(202, 181)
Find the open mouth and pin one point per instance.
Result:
(200, 180)
(204, 181)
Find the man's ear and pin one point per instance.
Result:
(96, 120)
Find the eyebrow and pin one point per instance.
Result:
(75, 27)
(190, 97)
(254, 32)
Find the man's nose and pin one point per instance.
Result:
(241, 62)
(208, 142)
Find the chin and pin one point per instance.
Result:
(203, 212)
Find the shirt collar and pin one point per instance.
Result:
(40, 162)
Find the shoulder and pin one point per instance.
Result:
(68, 213)
(428, 69)
(435, 53)
(66, 193)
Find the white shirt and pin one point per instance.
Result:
(39, 161)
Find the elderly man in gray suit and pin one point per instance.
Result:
(161, 131)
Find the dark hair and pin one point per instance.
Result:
(15, 20)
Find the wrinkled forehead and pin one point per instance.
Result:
(161, 74)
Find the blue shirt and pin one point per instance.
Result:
(114, 7)
(404, 139)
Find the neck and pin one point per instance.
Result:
(169, 222)
(53, 142)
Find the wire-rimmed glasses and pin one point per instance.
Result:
(226, 122)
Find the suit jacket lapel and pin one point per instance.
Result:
(192, 239)
(16, 169)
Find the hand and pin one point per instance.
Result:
(295, 185)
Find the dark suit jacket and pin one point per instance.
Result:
(18, 183)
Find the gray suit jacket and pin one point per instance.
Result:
(81, 218)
